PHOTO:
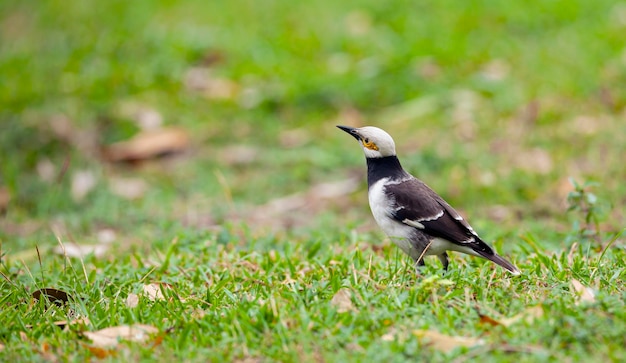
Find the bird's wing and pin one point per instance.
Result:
(416, 205)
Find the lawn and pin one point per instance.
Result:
(171, 175)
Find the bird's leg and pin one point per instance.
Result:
(419, 263)
(444, 260)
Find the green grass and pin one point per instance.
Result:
(495, 105)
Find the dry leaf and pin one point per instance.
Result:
(149, 144)
(132, 300)
(81, 251)
(154, 291)
(486, 320)
(128, 188)
(82, 183)
(445, 343)
(110, 337)
(342, 301)
(583, 293)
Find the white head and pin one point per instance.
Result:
(376, 143)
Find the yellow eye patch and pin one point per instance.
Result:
(370, 145)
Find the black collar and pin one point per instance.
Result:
(387, 167)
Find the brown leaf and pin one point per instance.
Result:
(486, 320)
(445, 343)
(342, 301)
(55, 296)
(148, 144)
(583, 293)
(110, 337)
(132, 300)
(154, 290)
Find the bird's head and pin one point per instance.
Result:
(376, 142)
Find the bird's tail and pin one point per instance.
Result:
(497, 259)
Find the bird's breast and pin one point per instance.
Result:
(383, 207)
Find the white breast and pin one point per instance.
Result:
(382, 209)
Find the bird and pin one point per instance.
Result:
(415, 218)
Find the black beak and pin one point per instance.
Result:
(351, 130)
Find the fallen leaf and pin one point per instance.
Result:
(132, 300)
(445, 343)
(55, 296)
(148, 144)
(128, 188)
(486, 320)
(1, 347)
(342, 301)
(154, 290)
(83, 182)
(80, 251)
(583, 293)
(110, 337)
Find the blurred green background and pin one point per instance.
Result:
(493, 104)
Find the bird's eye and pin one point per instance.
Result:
(367, 140)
